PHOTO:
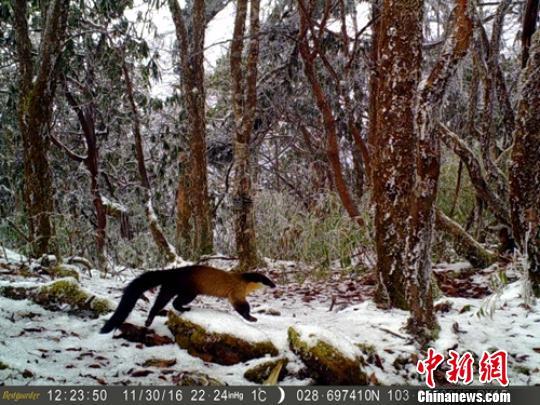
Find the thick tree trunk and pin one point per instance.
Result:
(244, 99)
(395, 143)
(525, 167)
(407, 155)
(38, 189)
(193, 183)
(37, 91)
(184, 229)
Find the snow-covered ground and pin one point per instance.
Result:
(44, 347)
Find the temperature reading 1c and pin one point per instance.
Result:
(259, 395)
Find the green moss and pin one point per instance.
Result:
(326, 364)
(68, 291)
(101, 306)
(219, 348)
(3, 366)
(260, 372)
(366, 348)
(61, 270)
(65, 290)
(522, 370)
(55, 295)
(196, 379)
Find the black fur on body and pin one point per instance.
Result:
(186, 283)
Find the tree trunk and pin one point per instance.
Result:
(244, 100)
(431, 95)
(37, 92)
(530, 15)
(525, 167)
(193, 183)
(395, 142)
(164, 247)
(407, 155)
(86, 115)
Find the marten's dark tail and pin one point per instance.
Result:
(132, 293)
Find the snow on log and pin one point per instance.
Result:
(59, 295)
(330, 359)
(219, 337)
(113, 208)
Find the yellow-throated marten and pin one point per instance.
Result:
(186, 283)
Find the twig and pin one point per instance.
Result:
(392, 333)
(18, 230)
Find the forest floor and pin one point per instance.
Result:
(479, 310)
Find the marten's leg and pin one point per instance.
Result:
(183, 298)
(164, 296)
(242, 307)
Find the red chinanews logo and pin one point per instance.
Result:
(492, 367)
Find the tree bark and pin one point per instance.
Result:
(37, 88)
(244, 101)
(525, 167)
(407, 155)
(530, 15)
(431, 95)
(86, 115)
(164, 247)
(195, 237)
(395, 143)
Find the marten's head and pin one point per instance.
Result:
(255, 281)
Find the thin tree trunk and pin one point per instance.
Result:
(482, 189)
(530, 15)
(86, 116)
(164, 247)
(244, 100)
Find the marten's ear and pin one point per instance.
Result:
(258, 278)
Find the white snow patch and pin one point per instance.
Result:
(223, 322)
(313, 334)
